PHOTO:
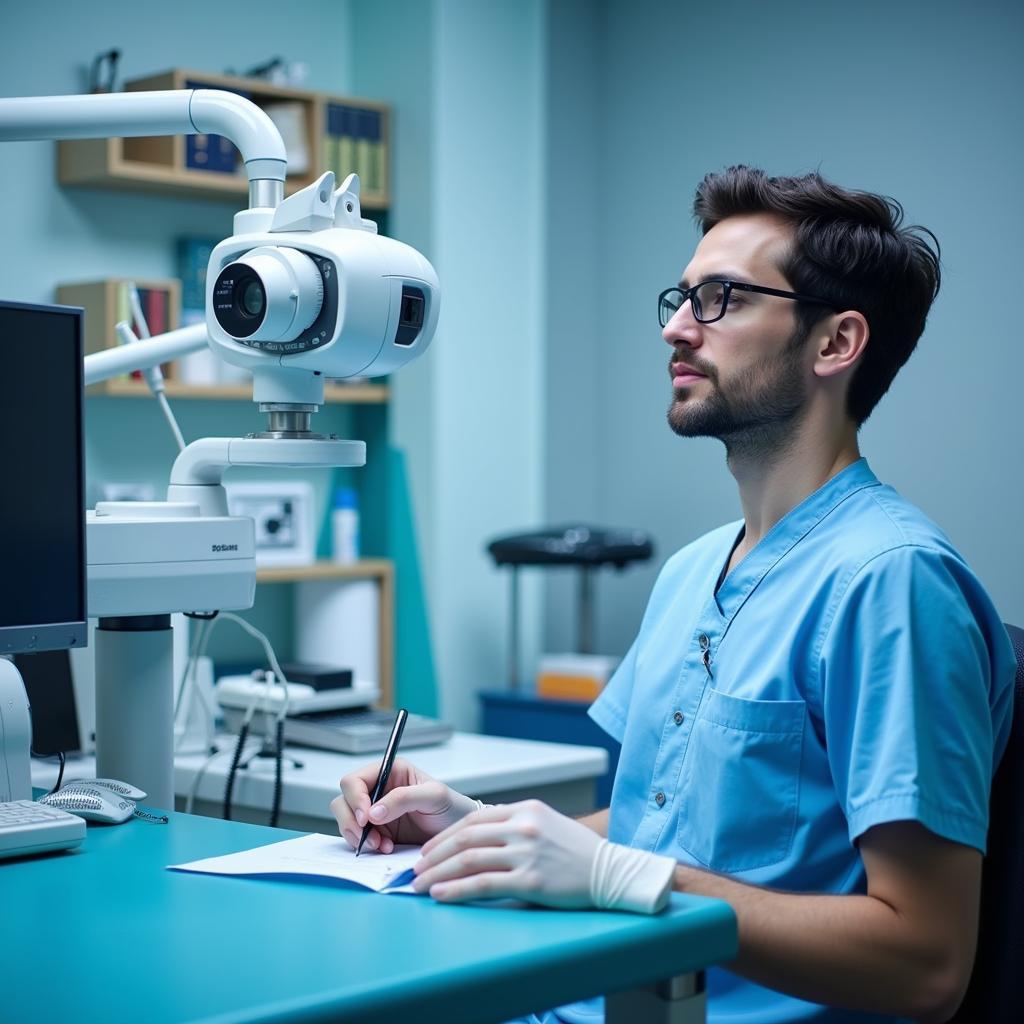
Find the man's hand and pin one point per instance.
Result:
(415, 807)
(524, 850)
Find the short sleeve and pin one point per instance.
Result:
(611, 708)
(915, 695)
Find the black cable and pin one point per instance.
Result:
(243, 734)
(204, 616)
(275, 811)
(153, 819)
(60, 771)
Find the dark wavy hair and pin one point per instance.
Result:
(849, 249)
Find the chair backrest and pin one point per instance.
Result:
(996, 992)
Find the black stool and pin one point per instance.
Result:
(586, 547)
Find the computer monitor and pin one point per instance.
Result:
(42, 503)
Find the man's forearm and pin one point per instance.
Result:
(851, 951)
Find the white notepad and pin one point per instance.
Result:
(317, 856)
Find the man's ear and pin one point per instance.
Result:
(841, 340)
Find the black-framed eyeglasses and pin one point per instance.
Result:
(710, 300)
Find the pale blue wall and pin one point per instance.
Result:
(393, 59)
(404, 76)
(467, 81)
(919, 99)
(575, 211)
(546, 164)
(490, 425)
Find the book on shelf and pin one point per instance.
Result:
(368, 148)
(122, 304)
(347, 141)
(332, 156)
(354, 142)
(155, 306)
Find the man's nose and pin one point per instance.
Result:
(684, 328)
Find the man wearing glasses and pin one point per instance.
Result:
(813, 709)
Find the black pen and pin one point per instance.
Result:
(385, 769)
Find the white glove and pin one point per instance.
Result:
(529, 851)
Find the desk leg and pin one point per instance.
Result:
(679, 1000)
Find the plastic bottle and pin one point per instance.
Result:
(345, 526)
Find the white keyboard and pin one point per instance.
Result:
(27, 827)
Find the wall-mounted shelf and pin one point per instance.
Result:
(106, 302)
(165, 165)
(365, 568)
(378, 569)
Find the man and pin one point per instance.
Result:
(812, 711)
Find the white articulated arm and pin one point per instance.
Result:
(144, 354)
(165, 112)
(197, 472)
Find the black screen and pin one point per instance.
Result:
(51, 695)
(42, 506)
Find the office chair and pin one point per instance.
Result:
(995, 994)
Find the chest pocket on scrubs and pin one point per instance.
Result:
(741, 781)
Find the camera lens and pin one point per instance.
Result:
(250, 297)
(240, 300)
(269, 294)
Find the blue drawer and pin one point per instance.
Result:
(556, 721)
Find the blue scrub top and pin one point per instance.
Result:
(849, 671)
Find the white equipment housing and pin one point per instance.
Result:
(240, 691)
(160, 557)
(310, 291)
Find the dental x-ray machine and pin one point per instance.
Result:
(302, 290)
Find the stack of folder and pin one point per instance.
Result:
(355, 142)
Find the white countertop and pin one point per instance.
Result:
(472, 764)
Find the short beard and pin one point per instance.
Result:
(758, 416)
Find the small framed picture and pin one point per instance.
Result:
(283, 513)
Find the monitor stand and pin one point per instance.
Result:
(15, 736)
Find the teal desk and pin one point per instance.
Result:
(106, 934)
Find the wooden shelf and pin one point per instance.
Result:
(353, 394)
(158, 164)
(364, 569)
(106, 302)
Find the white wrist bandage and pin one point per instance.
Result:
(622, 878)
